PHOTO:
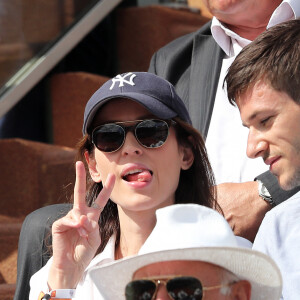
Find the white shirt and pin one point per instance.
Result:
(279, 237)
(85, 289)
(227, 139)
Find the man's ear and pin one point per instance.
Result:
(91, 162)
(241, 290)
(187, 158)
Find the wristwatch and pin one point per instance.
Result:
(264, 193)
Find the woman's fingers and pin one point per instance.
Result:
(80, 208)
(66, 223)
(88, 225)
(104, 195)
(82, 224)
(107, 188)
(80, 186)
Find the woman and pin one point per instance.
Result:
(142, 154)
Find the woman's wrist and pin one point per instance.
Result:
(63, 279)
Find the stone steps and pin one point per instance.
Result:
(32, 175)
(9, 234)
(7, 291)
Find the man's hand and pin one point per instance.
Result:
(243, 208)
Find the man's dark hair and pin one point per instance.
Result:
(274, 56)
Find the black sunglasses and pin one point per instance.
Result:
(149, 133)
(178, 288)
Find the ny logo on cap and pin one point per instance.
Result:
(123, 80)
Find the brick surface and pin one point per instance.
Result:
(69, 95)
(7, 291)
(33, 175)
(143, 30)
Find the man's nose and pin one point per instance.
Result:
(162, 293)
(256, 144)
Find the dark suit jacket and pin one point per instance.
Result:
(192, 63)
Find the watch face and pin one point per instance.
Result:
(265, 191)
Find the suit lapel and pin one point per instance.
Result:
(205, 70)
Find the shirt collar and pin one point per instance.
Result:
(231, 43)
(287, 10)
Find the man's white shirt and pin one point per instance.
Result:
(279, 237)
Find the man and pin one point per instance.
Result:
(264, 82)
(196, 64)
(191, 254)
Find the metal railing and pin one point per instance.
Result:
(45, 55)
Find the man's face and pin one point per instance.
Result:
(208, 274)
(273, 119)
(242, 12)
(225, 5)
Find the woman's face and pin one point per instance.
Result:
(145, 178)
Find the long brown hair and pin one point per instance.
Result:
(196, 185)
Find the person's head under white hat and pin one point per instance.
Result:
(190, 254)
(184, 279)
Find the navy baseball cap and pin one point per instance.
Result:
(153, 92)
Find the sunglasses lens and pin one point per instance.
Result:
(187, 288)
(109, 137)
(152, 133)
(140, 290)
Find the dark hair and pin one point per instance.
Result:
(196, 185)
(274, 56)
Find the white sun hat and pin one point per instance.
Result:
(197, 233)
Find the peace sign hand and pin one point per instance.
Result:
(76, 236)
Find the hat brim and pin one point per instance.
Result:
(157, 108)
(256, 267)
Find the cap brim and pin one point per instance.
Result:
(157, 108)
(256, 267)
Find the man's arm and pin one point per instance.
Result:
(243, 208)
